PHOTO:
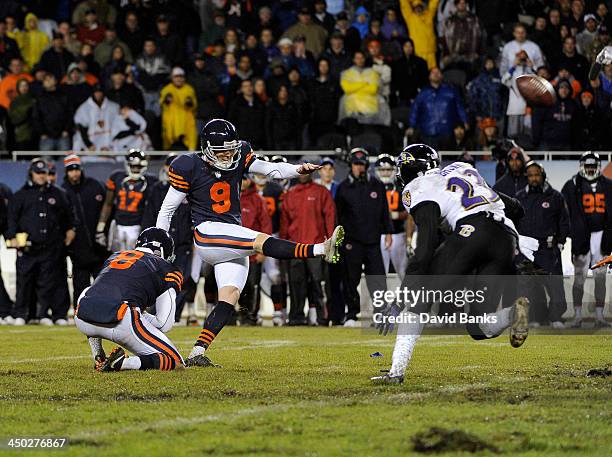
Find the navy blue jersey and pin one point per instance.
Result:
(129, 278)
(130, 196)
(214, 195)
(394, 200)
(273, 194)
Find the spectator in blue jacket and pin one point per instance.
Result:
(486, 94)
(436, 111)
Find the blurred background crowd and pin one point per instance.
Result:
(113, 74)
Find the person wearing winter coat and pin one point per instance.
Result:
(436, 111)
(20, 116)
(51, 117)
(486, 94)
(282, 122)
(554, 128)
(93, 121)
(420, 21)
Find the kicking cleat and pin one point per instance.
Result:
(519, 328)
(113, 362)
(387, 378)
(200, 361)
(332, 245)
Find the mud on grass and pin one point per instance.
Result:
(303, 391)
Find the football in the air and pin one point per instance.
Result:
(536, 90)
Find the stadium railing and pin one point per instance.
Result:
(543, 155)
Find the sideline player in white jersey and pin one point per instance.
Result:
(211, 181)
(483, 241)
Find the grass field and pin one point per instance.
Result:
(302, 391)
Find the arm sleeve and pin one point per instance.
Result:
(427, 218)
(171, 202)
(514, 210)
(274, 170)
(165, 307)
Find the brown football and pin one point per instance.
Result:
(536, 90)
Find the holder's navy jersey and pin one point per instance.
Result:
(130, 196)
(129, 278)
(394, 200)
(214, 195)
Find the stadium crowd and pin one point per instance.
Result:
(102, 74)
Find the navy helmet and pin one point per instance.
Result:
(158, 241)
(590, 166)
(415, 160)
(219, 135)
(136, 164)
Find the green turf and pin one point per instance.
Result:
(301, 391)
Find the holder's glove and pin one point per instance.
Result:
(389, 310)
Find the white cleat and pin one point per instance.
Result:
(387, 378)
(278, 320)
(350, 323)
(519, 329)
(19, 321)
(312, 317)
(9, 320)
(557, 325)
(331, 246)
(61, 322)
(46, 321)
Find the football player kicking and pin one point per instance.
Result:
(210, 180)
(483, 241)
(113, 307)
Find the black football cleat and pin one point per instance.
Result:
(113, 362)
(200, 361)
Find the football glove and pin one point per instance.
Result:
(389, 310)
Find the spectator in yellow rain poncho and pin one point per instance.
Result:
(362, 100)
(179, 105)
(31, 41)
(420, 20)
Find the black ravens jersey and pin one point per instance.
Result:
(394, 200)
(214, 195)
(273, 195)
(129, 278)
(130, 196)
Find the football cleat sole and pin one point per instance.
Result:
(332, 245)
(201, 361)
(519, 329)
(113, 362)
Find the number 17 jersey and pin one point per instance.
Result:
(214, 195)
(459, 191)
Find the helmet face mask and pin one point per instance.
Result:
(136, 164)
(220, 144)
(385, 169)
(590, 166)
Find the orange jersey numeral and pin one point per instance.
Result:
(594, 203)
(133, 196)
(220, 194)
(125, 260)
(393, 199)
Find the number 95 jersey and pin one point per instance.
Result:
(214, 195)
(458, 189)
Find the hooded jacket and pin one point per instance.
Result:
(421, 28)
(32, 42)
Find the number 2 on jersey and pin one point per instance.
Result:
(125, 260)
(468, 199)
(220, 194)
